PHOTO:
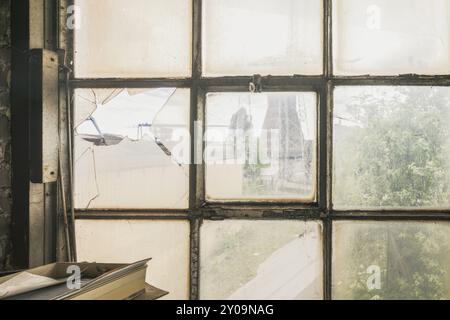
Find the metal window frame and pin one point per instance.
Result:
(322, 209)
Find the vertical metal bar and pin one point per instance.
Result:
(328, 255)
(50, 204)
(50, 189)
(323, 143)
(329, 182)
(329, 127)
(197, 39)
(326, 126)
(200, 147)
(196, 74)
(50, 24)
(65, 43)
(195, 175)
(328, 38)
(194, 280)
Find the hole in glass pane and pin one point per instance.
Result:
(279, 37)
(391, 147)
(391, 260)
(131, 148)
(261, 146)
(127, 241)
(148, 38)
(382, 37)
(261, 260)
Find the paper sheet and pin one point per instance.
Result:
(26, 282)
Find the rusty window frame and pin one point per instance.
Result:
(321, 210)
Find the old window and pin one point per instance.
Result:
(261, 146)
(384, 37)
(265, 149)
(391, 260)
(131, 148)
(263, 260)
(122, 45)
(279, 37)
(126, 241)
(391, 147)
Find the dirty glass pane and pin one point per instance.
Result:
(279, 37)
(132, 39)
(131, 148)
(127, 241)
(391, 147)
(261, 260)
(385, 37)
(391, 260)
(261, 146)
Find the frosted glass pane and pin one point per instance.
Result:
(126, 241)
(261, 146)
(391, 260)
(385, 37)
(133, 39)
(391, 147)
(132, 148)
(279, 37)
(261, 260)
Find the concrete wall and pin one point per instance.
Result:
(5, 134)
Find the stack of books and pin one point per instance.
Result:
(80, 281)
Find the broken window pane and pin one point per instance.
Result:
(381, 37)
(391, 147)
(391, 260)
(261, 146)
(132, 148)
(144, 38)
(261, 260)
(127, 241)
(279, 37)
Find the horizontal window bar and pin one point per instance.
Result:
(252, 213)
(117, 215)
(266, 81)
(390, 215)
(130, 83)
(392, 80)
(272, 83)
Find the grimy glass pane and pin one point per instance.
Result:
(131, 148)
(385, 37)
(261, 146)
(279, 37)
(261, 260)
(391, 147)
(127, 241)
(133, 39)
(391, 260)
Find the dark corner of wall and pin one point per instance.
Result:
(5, 135)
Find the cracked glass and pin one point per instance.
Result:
(385, 37)
(131, 148)
(261, 146)
(261, 260)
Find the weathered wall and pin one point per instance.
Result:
(5, 134)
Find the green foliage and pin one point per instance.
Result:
(413, 259)
(397, 156)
